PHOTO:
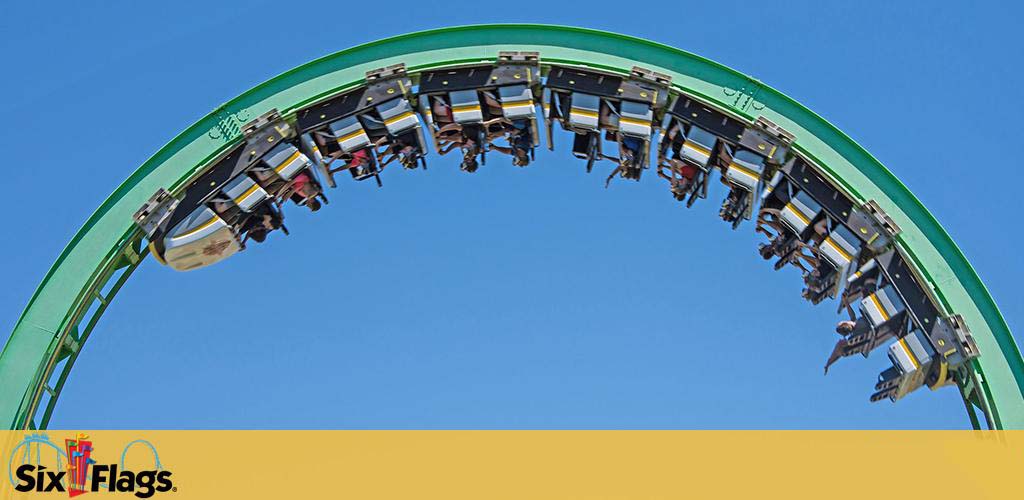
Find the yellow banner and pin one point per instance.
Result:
(179, 465)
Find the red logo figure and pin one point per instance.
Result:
(214, 249)
(79, 451)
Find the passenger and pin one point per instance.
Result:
(492, 104)
(449, 137)
(863, 283)
(673, 140)
(820, 231)
(768, 221)
(442, 112)
(496, 128)
(766, 227)
(304, 192)
(631, 146)
(729, 212)
(818, 282)
(263, 220)
(845, 327)
(682, 178)
(257, 233)
(860, 337)
(470, 148)
(408, 156)
(362, 164)
(405, 149)
(521, 147)
(373, 126)
(784, 244)
(520, 143)
(605, 114)
(841, 350)
(469, 163)
(629, 159)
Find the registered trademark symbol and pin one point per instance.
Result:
(174, 489)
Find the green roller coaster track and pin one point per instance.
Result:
(49, 336)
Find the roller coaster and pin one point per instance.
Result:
(825, 206)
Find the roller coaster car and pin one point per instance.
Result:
(859, 284)
(868, 221)
(838, 251)
(912, 359)
(923, 358)
(742, 173)
(799, 205)
(883, 316)
(743, 163)
(793, 221)
(212, 219)
(743, 151)
(893, 304)
(916, 363)
(470, 107)
(685, 150)
(366, 128)
(948, 336)
(627, 109)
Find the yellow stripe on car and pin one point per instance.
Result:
(846, 255)
(634, 121)
(910, 354)
(698, 148)
(246, 194)
(584, 112)
(287, 162)
(351, 135)
(744, 170)
(197, 229)
(398, 118)
(800, 215)
(881, 310)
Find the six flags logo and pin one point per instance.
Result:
(77, 479)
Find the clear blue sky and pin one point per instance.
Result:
(510, 298)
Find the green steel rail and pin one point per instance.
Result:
(62, 313)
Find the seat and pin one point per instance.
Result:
(840, 248)
(245, 192)
(200, 239)
(772, 185)
(466, 106)
(398, 116)
(799, 212)
(323, 167)
(350, 134)
(860, 283)
(286, 161)
(698, 147)
(883, 316)
(745, 170)
(584, 111)
(635, 119)
(911, 352)
(516, 102)
(911, 357)
(881, 306)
